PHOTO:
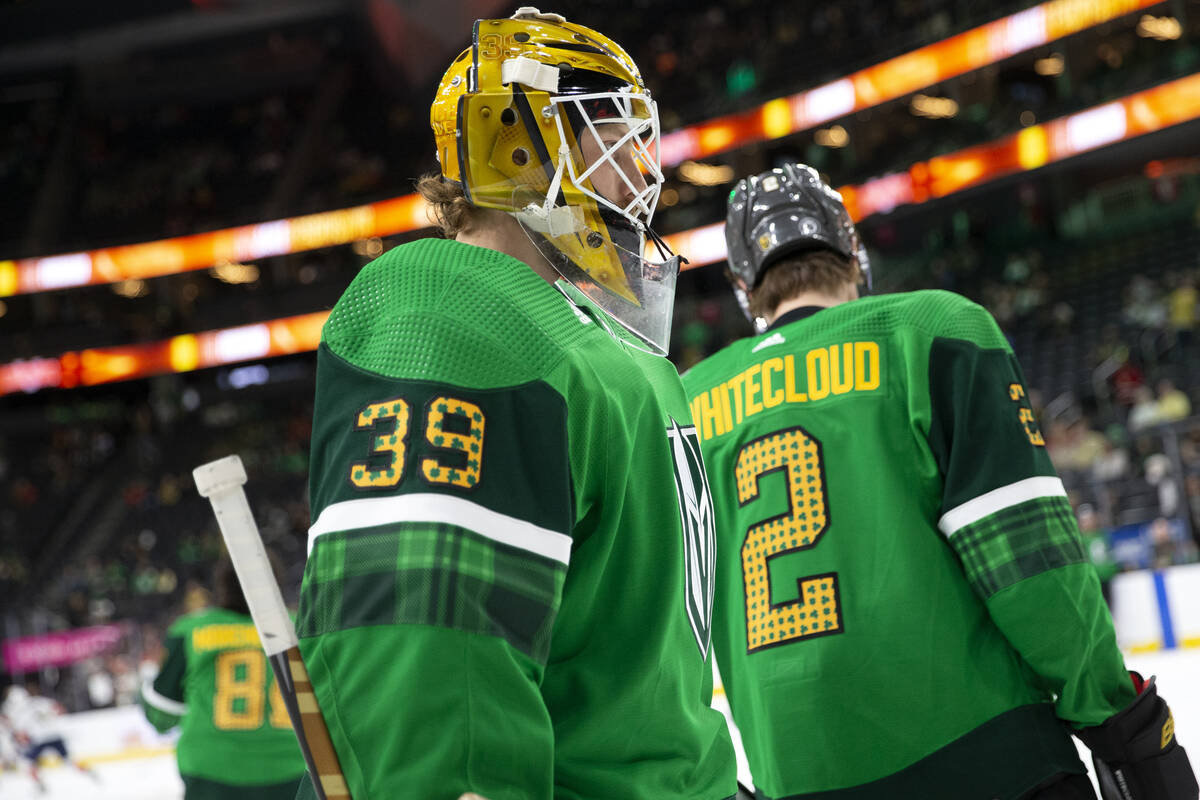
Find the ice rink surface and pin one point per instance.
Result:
(155, 778)
(144, 778)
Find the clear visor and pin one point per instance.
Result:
(646, 297)
(607, 169)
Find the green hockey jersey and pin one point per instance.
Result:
(216, 684)
(903, 602)
(509, 583)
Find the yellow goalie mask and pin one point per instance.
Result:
(550, 122)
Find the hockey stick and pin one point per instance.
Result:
(221, 482)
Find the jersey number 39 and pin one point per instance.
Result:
(817, 610)
(453, 429)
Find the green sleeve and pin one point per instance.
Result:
(442, 515)
(163, 700)
(1006, 515)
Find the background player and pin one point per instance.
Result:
(32, 720)
(236, 740)
(502, 593)
(9, 754)
(904, 608)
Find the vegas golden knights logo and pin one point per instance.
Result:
(699, 533)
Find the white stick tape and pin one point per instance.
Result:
(221, 482)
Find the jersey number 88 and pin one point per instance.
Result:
(241, 690)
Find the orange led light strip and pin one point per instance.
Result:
(896, 77)
(182, 353)
(978, 47)
(1145, 112)
(1036, 146)
(201, 250)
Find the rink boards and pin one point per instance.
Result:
(1157, 609)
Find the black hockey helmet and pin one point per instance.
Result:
(783, 211)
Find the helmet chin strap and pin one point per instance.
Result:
(564, 153)
(549, 218)
(664, 250)
(555, 221)
(533, 232)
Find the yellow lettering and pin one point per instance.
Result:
(818, 373)
(842, 369)
(866, 366)
(1016, 392)
(1031, 427)
(220, 637)
(771, 397)
(490, 46)
(789, 379)
(834, 370)
(753, 388)
(723, 396)
(710, 414)
(735, 386)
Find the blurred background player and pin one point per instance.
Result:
(236, 740)
(32, 721)
(904, 606)
(9, 754)
(509, 585)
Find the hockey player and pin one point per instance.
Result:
(236, 741)
(904, 608)
(32, 720)
(508, 589)
(9, 754)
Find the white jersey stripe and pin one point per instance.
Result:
(160, 702)
(369, 512)
(999, 499)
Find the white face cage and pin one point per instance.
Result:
(636, 149)
(615, 164)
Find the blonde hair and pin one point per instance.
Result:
(816, 270)
(452, 212)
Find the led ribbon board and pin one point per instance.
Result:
(896, 77)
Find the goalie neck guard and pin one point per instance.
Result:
(551, 122)
(780, 212)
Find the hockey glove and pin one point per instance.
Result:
(1136, 754)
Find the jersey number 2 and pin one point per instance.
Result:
(817, 610)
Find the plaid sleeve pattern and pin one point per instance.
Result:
(431, 574)
(1018, 542)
